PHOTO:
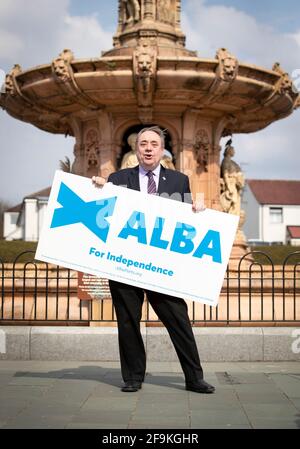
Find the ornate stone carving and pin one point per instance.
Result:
(232, 182)
(145, 115)
(131, 11)
(166, 10)
(227, 124)
(61, 66)
(147, 39)
(228, 65)
(201, 148)
(231, 122)
(64, 77)
(77, 166)
(144, 67)
(10, 87)
(92, 151)
(284, 85)
(226, 73)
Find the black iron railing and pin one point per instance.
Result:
(41, 293)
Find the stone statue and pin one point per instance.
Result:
(131, 11)
(167, 160)
(165, 11)
(232, 182)
(130, 159)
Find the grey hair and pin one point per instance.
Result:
(156, 129)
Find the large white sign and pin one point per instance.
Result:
(151, 242)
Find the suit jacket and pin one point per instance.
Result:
(171, 182)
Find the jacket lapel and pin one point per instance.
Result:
(133, 179)
(162, 184)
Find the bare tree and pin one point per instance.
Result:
(4, 205)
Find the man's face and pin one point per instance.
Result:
(149, 150)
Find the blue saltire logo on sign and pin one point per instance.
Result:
(91, 214)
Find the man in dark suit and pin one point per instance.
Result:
(151, 177)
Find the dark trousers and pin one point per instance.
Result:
(128, 301)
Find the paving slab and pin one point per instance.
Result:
(87, 395)
(219, 418)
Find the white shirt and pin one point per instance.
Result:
(143, 178)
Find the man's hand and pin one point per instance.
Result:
(198, 206)
(98, 181)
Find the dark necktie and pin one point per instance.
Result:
(151, 183)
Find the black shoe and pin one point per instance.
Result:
(131, 386)
(199, 387)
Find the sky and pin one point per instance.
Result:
(34, 32)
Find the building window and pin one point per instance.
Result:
(276, 215)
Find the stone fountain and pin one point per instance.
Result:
(149, 77)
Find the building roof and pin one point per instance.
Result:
(45, 193)
(269, 191)
(16, 208)
(294, 231)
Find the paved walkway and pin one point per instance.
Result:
(75, 395)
